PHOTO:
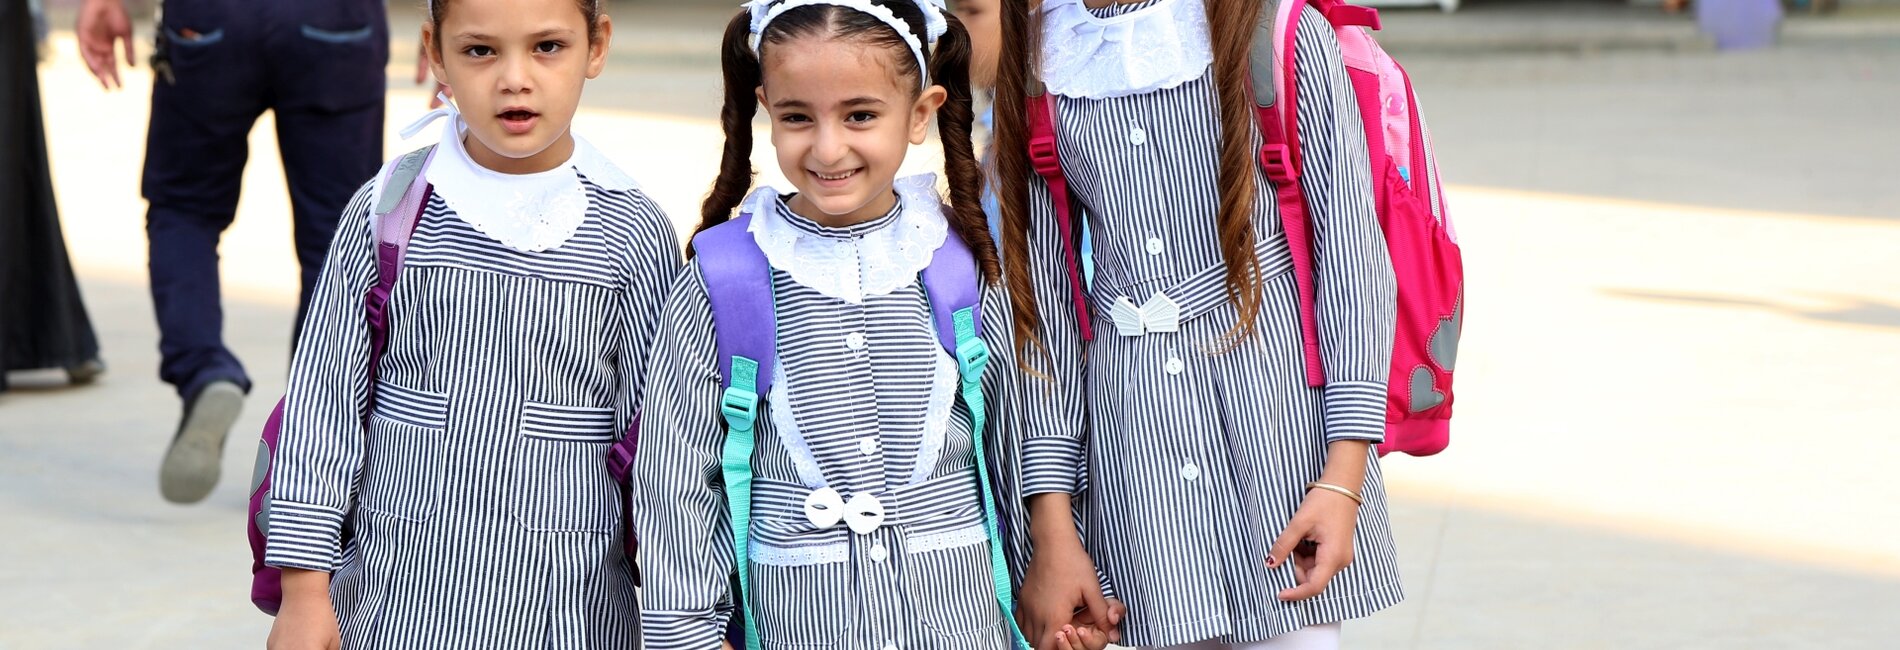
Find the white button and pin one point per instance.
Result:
(879, 553)
(890, 646)
(1155, 246)
(1175, 366)
(1190, 471)
(854, 340)
(1137, 137)
(867, 446)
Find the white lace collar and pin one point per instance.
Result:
(851, 264)
(527, 212)
(1162, 45)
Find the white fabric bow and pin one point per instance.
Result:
(447, 109)
(1159, 314)
(824, 508)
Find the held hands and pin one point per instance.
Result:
(101, 25)
(1318, 540)
(1062, 606)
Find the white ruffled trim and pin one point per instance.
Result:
(943, 398)
(1156, 47)
(880, 262)
(527, 212)
(953, 538)
(786, 425)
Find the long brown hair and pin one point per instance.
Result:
(949, 67)
(1232, 23)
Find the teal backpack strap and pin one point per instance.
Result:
(955, 291)
(739, 288)
(740, 406)
(973, 356)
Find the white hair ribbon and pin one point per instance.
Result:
(763, 12)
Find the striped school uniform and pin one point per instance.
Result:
(865, 404)
(476, 509)
(1192, 456)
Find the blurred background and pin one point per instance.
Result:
(1677, 425)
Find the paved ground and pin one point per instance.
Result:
(1674, 426)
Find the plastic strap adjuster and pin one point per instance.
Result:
(1044, 156)
(1277, 159)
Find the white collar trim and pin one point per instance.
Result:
(852, 269)
(527, 212)
(1159, 46)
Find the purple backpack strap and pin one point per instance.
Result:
(739, 286)
(396, 219)
(952, 283)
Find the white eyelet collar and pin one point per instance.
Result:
(1161, 45)
(527, 212)
(851, 264)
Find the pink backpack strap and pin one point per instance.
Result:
(1278, 118)
(1047, 160)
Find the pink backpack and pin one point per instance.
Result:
(1407, 196)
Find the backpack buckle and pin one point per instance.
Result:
(620, 460)
(1277, 159)
(1044, 157)
(740, 406)
(973, 355)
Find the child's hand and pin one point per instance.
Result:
(307, 620)
(1084, 637)
(305, 625)
(1059, 589)
(1318, 541)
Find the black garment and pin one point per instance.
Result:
(318, 66)
(43, 323)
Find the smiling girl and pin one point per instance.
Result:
(473, 507)
(850, 461)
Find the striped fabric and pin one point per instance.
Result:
(1196, 455)
(479, 506)
(861, 407)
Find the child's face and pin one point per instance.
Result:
(516, 68)
(983, 19)
(842, 118)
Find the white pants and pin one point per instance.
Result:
(1316, 637)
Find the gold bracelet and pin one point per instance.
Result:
(1334, 488)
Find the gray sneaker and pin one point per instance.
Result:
(197, 453)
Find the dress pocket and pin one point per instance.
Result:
(561, 478)
(807, 606)
(403, 455)
(951, 593)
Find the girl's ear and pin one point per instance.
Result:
(597, 49)
(926, 105)
(432, 48)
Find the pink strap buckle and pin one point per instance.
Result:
(1353, 16)
(1275, 158)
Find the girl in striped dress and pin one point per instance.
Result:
(473, 506)
(1223, 493)
(863, 418)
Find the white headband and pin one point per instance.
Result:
(765, 11)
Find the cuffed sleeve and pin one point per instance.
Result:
(320, 447)
(686, 554)
(1055, 419)
(1354, 279)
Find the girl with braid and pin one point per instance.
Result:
(862, 515)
